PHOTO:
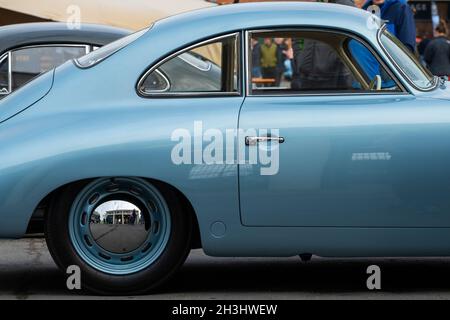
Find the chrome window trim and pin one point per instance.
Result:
(7, 55)
(330, 94)
(3, 57)
(51, 45)
(194, 66)
(248, 34)
(10, 72)
(243, 52)
(141, 32)
(399, 69)
(198, 94)
(248, 71)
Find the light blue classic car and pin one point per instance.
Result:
(187, 135)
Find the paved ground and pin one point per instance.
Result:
(27, 272)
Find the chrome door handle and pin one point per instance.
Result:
(253, 141)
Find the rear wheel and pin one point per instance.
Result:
(127, 235)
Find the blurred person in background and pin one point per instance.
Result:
(437, 52)
(281, 58)
(289, 62)
(422, 46)
(400, 19)
(269, 59)
(256, 59)
(316, 65)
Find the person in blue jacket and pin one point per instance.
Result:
(399, 19)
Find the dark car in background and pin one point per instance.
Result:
(29, 49)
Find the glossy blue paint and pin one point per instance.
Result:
(358, 161)
(27, 97)
(92, 123)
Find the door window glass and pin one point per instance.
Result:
(314, 62)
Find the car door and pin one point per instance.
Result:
(345, 151)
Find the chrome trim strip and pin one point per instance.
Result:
(248, 36)
(198, 94)
(240, 65)
(50, 45)
(137, 35)
(188, 94)
(399, 69)
(332, 94)
(248, 71)
(195, 66)
(3, 58)
(76, 63)
(10, 71)
(243, 64)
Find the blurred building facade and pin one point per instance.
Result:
(424, 15)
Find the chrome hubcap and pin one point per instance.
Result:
(119, 226)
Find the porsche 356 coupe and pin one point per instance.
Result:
(142, 149)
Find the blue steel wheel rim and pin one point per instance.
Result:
(107, 261)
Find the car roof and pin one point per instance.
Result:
(19, 35)
(265, 14)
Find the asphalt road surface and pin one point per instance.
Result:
(28, 272)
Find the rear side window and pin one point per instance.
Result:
(208, 68)
(105, 52)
